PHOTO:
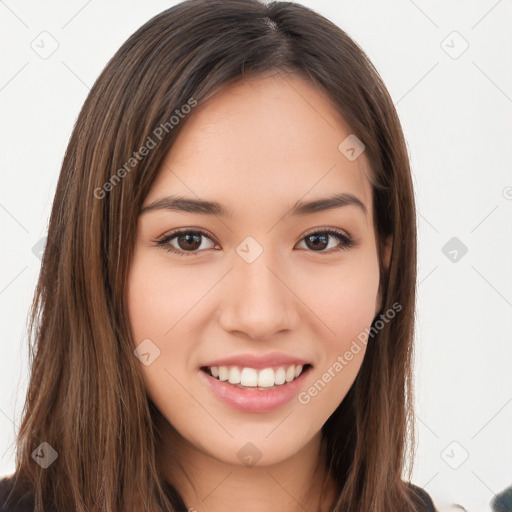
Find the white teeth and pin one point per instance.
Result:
(266, 378)
(280, 376)
(234, 375)
(249, 377)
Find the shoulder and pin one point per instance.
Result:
(421, 498)
(8, 503)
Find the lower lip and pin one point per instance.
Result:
(248, 400)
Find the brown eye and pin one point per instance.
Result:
(185, 242)
(189, 242)
(319, 241)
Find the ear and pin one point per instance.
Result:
(384, 267)
(388, 245)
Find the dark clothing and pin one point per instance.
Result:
(6, 484)
(424, 500)
(420, 496)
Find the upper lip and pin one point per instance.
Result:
(258, 361)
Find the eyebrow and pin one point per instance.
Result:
(300, 208)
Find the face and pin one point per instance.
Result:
(258, 288)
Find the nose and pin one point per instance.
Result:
(259, 300)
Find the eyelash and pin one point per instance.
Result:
(163, 243)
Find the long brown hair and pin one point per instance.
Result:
(86, 396)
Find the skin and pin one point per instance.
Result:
(256, 147)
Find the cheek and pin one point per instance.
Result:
(343, 297)
(351, 305)
(160, 297)
(160, 300)
(345, 302)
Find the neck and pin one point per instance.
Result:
(207, 484)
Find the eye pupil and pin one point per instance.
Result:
(189, 239)
(316, 237)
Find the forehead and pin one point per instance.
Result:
(263, 141)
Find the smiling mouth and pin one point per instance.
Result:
(251, 379)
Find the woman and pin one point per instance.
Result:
(224, 316)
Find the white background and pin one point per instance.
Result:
(456, 115)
